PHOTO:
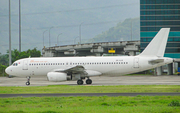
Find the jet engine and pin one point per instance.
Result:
(57, 76)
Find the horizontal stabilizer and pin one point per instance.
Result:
(156, 61)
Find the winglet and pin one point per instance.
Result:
(157, 46)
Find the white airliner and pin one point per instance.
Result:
(78, 68)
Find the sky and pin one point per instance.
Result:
(60, 20)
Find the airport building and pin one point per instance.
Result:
(157, 14)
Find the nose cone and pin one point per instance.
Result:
(7, 70)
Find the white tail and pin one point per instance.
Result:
(158, 44)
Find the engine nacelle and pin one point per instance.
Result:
(57, 76)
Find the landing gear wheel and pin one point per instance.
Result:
(79, 82)
(88, 81)
(27, 83)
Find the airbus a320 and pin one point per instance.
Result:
(59, 69)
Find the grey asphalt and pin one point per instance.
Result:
(99, 80)
(88, 94)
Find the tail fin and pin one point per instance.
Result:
(158, 44)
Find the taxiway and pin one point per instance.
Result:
(99, 80)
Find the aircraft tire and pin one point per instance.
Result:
(79, 82)
(88, 81)
(27, 83)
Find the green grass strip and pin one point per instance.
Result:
(103, 104)
(90, 89)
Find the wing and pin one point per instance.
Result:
(78, 70)
(73, 70)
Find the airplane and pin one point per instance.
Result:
(59, 69)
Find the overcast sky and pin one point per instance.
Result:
(40, 15)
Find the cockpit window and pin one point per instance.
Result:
(15, 64)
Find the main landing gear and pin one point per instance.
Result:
(28, 81)
(80, 81)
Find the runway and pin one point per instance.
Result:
(99, 80)
(87, 94)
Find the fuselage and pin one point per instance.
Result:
(105, 65)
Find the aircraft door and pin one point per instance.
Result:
(136, 62)
(25, 65)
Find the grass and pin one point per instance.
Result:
(90, 89)
(123, 104)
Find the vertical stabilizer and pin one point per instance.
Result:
(158, 44)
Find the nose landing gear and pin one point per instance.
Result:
(28, 81)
